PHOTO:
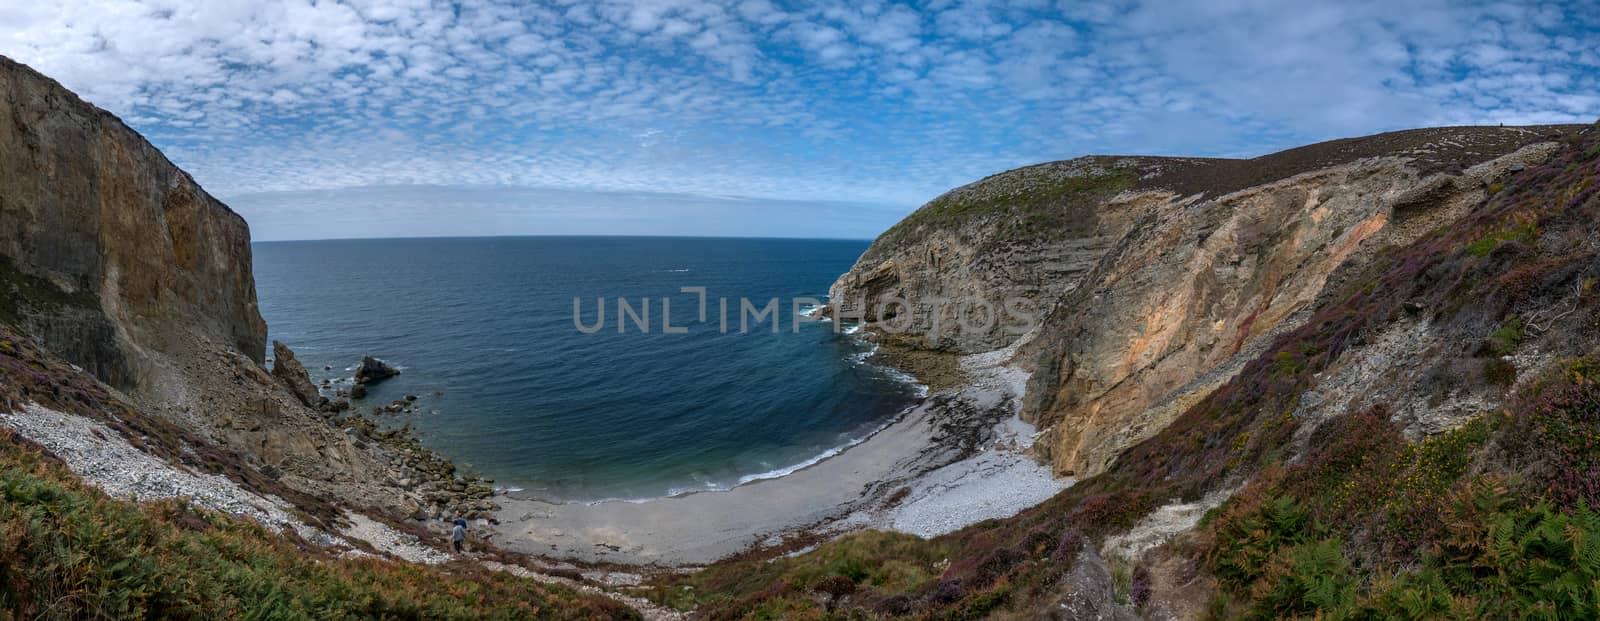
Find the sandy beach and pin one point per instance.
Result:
(962, 456)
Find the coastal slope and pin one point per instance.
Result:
(1152, 280)
(114, 260)
(1351, 380)
(150, 463)
(1356, 379)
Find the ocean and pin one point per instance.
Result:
(512, 387)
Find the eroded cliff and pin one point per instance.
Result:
(1156, 279)
(146, 263)
(1364, 373)
(116, 261)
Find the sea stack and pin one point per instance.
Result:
(373, 370)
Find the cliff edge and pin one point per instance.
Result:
(1137, 285)
(1351, 380)
(125, 257)
(114, 260)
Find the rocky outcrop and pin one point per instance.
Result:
(288, 370)
(373, 370)
(1156, 279)
(945, 275)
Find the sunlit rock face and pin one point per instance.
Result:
(142, 261)
(1155, 279)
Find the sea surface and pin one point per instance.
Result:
(510, 388)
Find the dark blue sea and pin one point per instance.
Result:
(539, 405)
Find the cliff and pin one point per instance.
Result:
(1352, 380)
(150, 465)
(145, 262)
(1155, 279)
(114, 260)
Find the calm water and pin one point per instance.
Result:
(536, 404)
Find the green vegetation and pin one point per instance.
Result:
(1500, 372)
(71, 553)
(1415, 528)
(875, 561)
(20, 292)
(1497, 559)
(1524, 234)
(1287, 364)
(1028, 203)
(1504, 340)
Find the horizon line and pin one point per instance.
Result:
(560, 235)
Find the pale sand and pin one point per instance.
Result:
(943, 451)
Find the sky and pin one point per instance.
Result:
(755, 117)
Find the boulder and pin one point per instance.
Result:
(373, 370)
(358, 391)
(288, 371)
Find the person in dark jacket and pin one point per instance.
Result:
(458, 535)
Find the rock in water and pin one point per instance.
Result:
(373, 370)
(293, 375)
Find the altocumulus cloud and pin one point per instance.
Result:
(758, 117)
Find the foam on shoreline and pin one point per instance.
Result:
(855, 359)
(711, 488)
(837, 492)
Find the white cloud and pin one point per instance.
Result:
(862, 101)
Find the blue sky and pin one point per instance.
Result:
(756, 117)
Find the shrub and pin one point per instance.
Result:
(1505, 339)
(1498, 559)
(998, 564)
(947, 592)
(1499, 372)
(894, 605)
(1431, 540)
(1040, 540)
(1249, 538)
(1303, 579)
(1287, 364)
(1140, 591)
(835, 586)
(1553, 439)
(1525, 234)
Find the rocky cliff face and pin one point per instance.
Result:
(113, 259)
(1156, 279)
(143, 262)
(1026, 236)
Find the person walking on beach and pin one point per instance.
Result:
(458, 535)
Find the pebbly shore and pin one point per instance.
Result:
(959, 457)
